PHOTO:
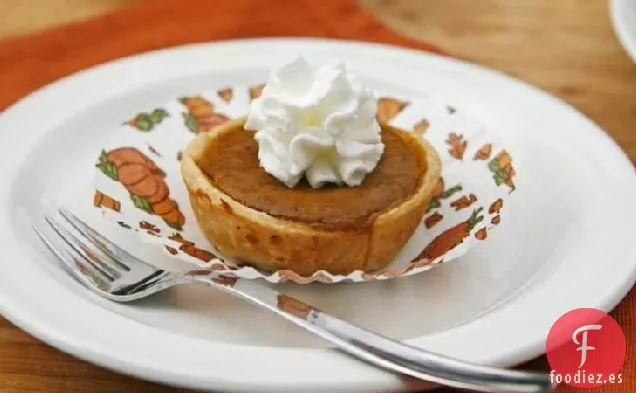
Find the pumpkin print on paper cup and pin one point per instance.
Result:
(138, 184)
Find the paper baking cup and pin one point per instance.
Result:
(477, 180)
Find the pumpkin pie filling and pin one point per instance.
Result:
(231, 164)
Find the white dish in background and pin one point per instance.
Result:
(623, 14)
(568, 245)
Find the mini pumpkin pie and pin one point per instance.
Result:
(251, 216)
(310, 180)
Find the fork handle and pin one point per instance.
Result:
(382, 351)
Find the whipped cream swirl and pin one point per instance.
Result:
(317, 123)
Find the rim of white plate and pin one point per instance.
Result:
(624, 27)
(155, 354)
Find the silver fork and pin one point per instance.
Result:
(113, 273)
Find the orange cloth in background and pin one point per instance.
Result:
(30, 62)
(27, 63)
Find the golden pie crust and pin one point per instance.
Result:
(271, 242)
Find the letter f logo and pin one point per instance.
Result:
(583, 344)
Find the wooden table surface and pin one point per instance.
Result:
(566, 47)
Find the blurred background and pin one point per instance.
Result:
(567, 47)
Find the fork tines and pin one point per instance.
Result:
(92, 258)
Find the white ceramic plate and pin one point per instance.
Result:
(569, 243)
(623, 13)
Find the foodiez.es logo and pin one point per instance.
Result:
(586, 348)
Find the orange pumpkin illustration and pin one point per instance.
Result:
(201, 116)
(144, 181)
